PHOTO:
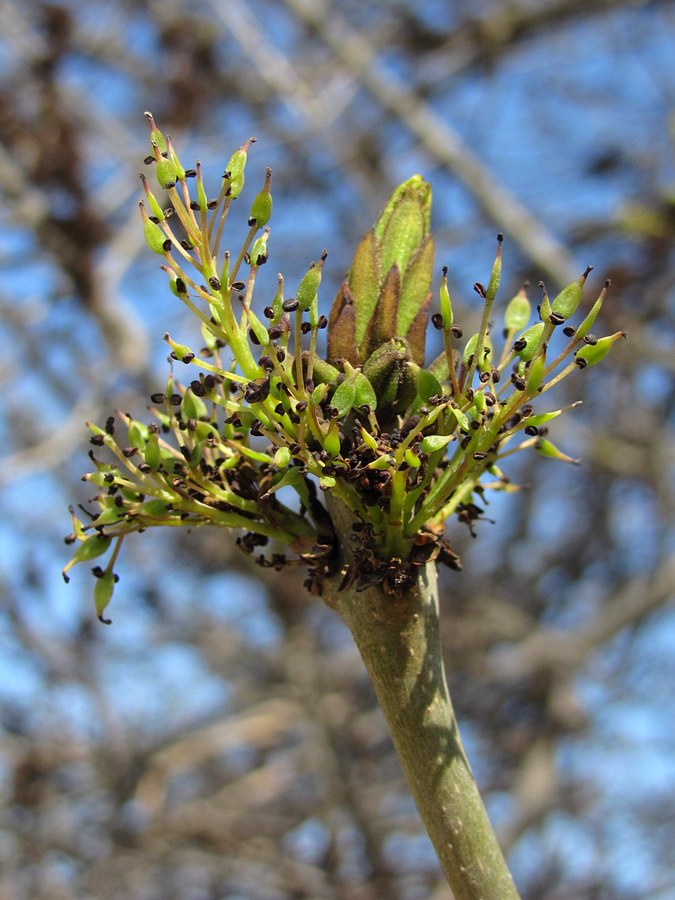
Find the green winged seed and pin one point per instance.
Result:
(566, 302)
(517, 313)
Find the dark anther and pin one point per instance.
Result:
(194, 204)
(479, 454)
(256, 427)
(480, 289)
(580, 361)
(484, 377)
(437, 321)
(295, 449)
(290, 305)
(302, 405)
(190, 173)
(257, 392)
(211, 204)
(490, 398)
(500, 237)
(518, 382)
(110, 425)
(180, 286)
(239, 286)
(166, 246)
(186, 245)
(464, 443)
(526, 411)
(197, 388)
(309, 385)
(531, 430)
(274, 332)
(590, 339)
(96, 440)
(128, 452)
(279, 409)
(323, 322)
(266, 363)
(154, 219)
(281, 355)
(253, 337)
(175, 399)
(149, 160)
(214, 282)
(144, 468)
(556, 318)
(305, 328)
(569, 331)
(456, 331)
(520, 344)
(268, 312)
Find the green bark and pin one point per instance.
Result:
(399, 642)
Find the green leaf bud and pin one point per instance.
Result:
(155, 238)
(517, 313)
(261, 207)
(103, 591)
(403, 223)
(528, 341)
(566, 302)
(591, 355)
(343, 398)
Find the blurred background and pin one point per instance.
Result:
(221, 739)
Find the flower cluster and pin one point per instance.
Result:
(401, 444)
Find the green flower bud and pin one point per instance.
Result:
(567, 301)
(155, 238)
(364, 395)
(528, 341)
(496, 274)
(156, 136)
(589, 321)
(234, 170)
(103, 591)
(592, 354)
(306, 294)
(445, 302)
(282, 457)
(261, 207)
(192, 406)
(546, 448)
(258, 254)
(179, 351)
(517, 313)
(166, 172)
(343, 398)
(433, 442)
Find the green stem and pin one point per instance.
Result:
(399, 642)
